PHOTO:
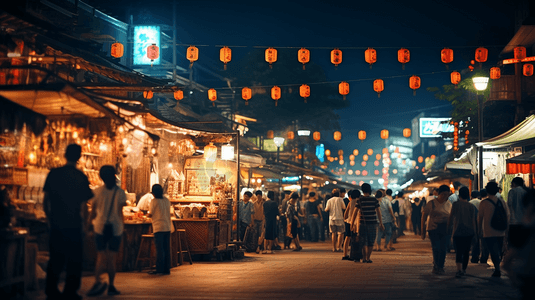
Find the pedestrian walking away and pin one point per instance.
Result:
(162, 227)
(335, 206)
(388, 219)
(271, 210)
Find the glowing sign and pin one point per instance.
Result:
(145, 36)
(433, 127)
(320, 152)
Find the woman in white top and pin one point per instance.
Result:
(160, 208)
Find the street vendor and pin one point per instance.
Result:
(144, 202)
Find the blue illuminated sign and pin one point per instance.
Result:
(145, 36)
(433, 127)
(320, 152)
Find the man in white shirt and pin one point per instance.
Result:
(336, 206)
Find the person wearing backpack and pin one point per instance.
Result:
(492, 222)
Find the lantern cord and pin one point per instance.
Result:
(341, 48)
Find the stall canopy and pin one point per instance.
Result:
(522, 134)
(524, 163)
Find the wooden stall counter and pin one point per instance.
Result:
(202, 234)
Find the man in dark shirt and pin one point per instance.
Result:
(66, 190)
(271, 210)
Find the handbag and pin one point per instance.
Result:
(108, 227)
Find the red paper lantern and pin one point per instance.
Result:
(336, 57)
(179, 95)
(270, 134)
(446, 55)
(275, 94)
(304, 91)
(212, 95)
(225, 55)
(370, 151)
(343, 89)
(384, 134)
(376, 172)
(316, 135)
(303, 56)
(337, 136)
(271, 56)
(404, 56)
(192, 54)
(291, 135)
(364, 173)
(362, 135)
(481, 54)
(455, 78)
(528, 70)
(414, 83)
(365, 157)
(117, 50)
(370, 55)
(520, 52)
(420, 159)
(246, 94)
(153, 52)
(378, 86)
(495, 73)
(407, 132)
(148, 94)
(376, 163)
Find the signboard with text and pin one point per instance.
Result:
(144, 36)
(433, 127)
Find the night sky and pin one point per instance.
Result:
(424, 27)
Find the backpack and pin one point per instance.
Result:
(499, 218)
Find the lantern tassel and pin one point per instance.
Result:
(270, 66)
(191, 65)
(447, 66)
(213, 104)
(370, 66)
(303, 66)
(246, 102)
(403, 66)
(378, 95)
(414, 92)
(276, 103)
(344, 97)
(225, 67)
(305, 100)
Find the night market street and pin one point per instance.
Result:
(314, 273)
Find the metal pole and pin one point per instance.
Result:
(174, 42)
(278, 151)
(237, 202)
(480, 139)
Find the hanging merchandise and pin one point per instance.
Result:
(153, 52)
(179, 95)
(446, 56)
(414, 83)
(148, 94)
(336, 57)
(343, 89)
(304, 91)
(362, 137)
(225, 56)
(337, 136)
(528, 69)
(271, 56)
(117, 50)
(192, 54)
(303, 56)
(384, 134)
(495, 73)
(275, 94)
(520, 52)
(455, 78)
(481, 54)
(378, 86)
(407, 132)
(212, 96)
(246, 94)
(370, 55)
(404, 56)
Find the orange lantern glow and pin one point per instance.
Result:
(117, 50)
(179, 95)
(225, 56)
(340, 152)
(357, 172)
(376, 172)
(303, 56)
(378, 86)
(528, 70)
(481, 54)
(407, 132)
(414, 83)
(148, 94)
(365, 157)
(355, 152)
(291, 135)
(271, 56)
(378, 156)
(270, 134)
(351, 157)
(337, 136)
(365, 173)
(370, 55)
(376, 163)
(192, 54)
(212, 95)
(327, 152)
(495, 73)
(363, 163)
(385, 150)
(362, 135)
(352, 163)
(370, 151)
(246, 94)
(153, 52)
(384, 134)
(304, 91)
(275, 94)
(336, 57)
(420, 159)
(404, 56)
(455, 77)
(446, 55)
(316, 135)
(520, 52)
(343, 89)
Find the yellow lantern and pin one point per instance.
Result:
(275, 94)
(270, 134)
(246, 94)
(192, 54)
(337, 136)
(384, 134)
(343, 89)
(117, 50)
(316, 135)
(212, 95)
(362, 135)
(303, 56)
(406, 132)
(304, 91)
(271, 56)
(336, 57)
(225, 55)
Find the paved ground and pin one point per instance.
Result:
(315, 273)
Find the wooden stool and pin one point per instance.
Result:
(145, 239)
(182, 239)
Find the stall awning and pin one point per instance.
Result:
(524, 163)
(522, 134)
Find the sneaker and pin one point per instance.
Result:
(346, 258)
(497, 274)
(441, 272)
(97, 289)
(112, 291)
(459, 274)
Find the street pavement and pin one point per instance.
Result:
(315, 273)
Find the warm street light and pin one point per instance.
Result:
(278, 142)
(480, 84)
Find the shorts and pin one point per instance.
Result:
(348, 230)
(368, 234)
(108, 241)
(337, 228)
